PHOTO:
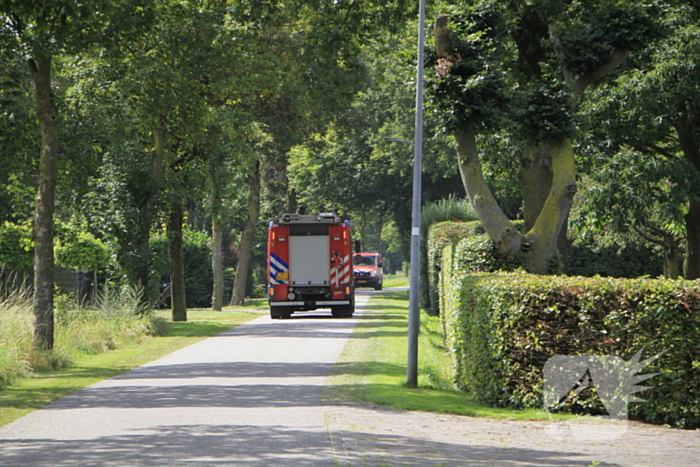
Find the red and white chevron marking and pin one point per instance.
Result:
(341, 274)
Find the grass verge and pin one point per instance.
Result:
(395, 280)
(372, 367)
(43, 387)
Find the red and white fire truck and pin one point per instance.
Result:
(310, 265)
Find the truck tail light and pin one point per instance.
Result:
(348, 290)
(272, 291)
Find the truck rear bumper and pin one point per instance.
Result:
(324, 303)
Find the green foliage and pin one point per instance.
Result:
(546, 113)
(474, 93)
(609, 255)
(118, 319)
(641, 166)
(82, 251)
(481, 254)
(121, 302)
(446, 210)
(591, 31)
(470, 249)
(440, 235)
(198, 274)
(197, 262)
(16, 247)
(502, 328)
(15, 336)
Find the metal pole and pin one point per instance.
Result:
(414, 306)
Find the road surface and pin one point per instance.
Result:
(252, 397)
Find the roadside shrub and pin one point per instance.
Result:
(199, 278)
(502, 328)
(16, 257)
(621, 259)
(480, 254)
(441, 235)
(475, 252)
(117, 320)
(15, 336)
(16, 247)
(453, 210)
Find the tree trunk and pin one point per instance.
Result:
(496, 224)
(94, 288)
(217, 264)
(691, 264)
(47, 114)
(217, 250)
(669, 245)
(687, 127)
(239, 282)
(544, 233)
(155, 175)
(672, 261)
(292, 204)
(177, 264)
(536, 181)
(563, 246)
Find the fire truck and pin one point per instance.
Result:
(310, 265)
(368, 269)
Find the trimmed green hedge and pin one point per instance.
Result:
(502, 328)
(475, 252)
(451, 211)
(439, 236)
(628, 259)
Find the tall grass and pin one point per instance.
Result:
(450, 209)
(117, 319)
(15, 336)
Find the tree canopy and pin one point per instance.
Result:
(149, 124)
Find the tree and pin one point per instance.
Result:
(41, 31)
(83, 251)
(239, 283)
(360, 166)
(644, 147)
(524, 68)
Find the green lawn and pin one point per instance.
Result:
(395, 280)
(372, 367)
(41, 388)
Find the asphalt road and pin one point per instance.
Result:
(250, 396)
(253, 397)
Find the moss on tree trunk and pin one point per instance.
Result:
(497, 226)
(545, 231)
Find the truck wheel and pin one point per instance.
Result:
(281, 312)
(344, 311)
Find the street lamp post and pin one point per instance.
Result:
(414, 306)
